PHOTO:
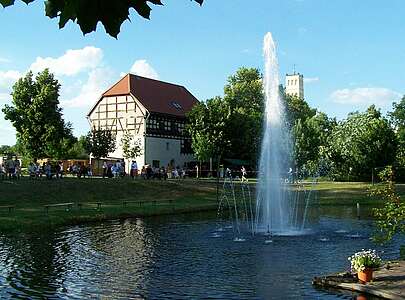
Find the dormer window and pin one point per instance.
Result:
(176, 105)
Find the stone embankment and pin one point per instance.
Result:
(388, 282)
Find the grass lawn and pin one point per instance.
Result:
(29, 198)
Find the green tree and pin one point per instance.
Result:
(87, 13)
(360, 143)
(309, 130)
(78, 151)
(207, 125)
(37, 117)
(100, 142)
(244, 95)
(297, 109)
(131, 148)
(310, 139)
(389, 219)
(397, 118)
(6, 150)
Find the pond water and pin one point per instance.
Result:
(181, 257)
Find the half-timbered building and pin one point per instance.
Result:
(152, 111)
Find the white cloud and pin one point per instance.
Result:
(97, 83)
(4, 60)
(4, 97)
(365, 96)
(142, 68)
(311, 79)
(71, 63)
(8, 78)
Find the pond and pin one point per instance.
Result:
(190, 256)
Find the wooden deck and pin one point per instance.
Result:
(388, 282)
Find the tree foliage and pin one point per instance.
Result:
(100, 142)
(131, 147)
(297, 109)
(207, 125)
(37, 117)
(361, 142)
(87, 13)
(230, 126)
(78, 151)
(310, 137)
(397, 118)
(7, 150)
(244, 95)
(389, 219)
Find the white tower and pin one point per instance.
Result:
(294, 85)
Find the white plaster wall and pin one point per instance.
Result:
(156, 149)
(134, 112)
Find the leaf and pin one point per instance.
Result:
(143, 9)
(6, 3)
(87, 13)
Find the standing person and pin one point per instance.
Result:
(105, 169)
(143, 172)
(10, 168)
(48, 171)
(244, 174)
(117, 168)
(109, 170)
(2, 172)
(89, 171)
(134, 169)
(17, 171)
(57, 168)
(196, 169)
(123, 169)
(149, 172)
(169, 171)
(228, 173)
(61, 169)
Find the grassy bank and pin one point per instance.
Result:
(100, 199)
(97, 199)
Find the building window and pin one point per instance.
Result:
(167, 146)
(167, 125)
(156, 163)
(185, 146)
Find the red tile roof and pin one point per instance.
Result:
(156, 96)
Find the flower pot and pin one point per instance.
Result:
(366, 275)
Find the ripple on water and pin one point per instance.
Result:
(155, 259)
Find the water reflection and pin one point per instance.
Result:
(176, 258)
(33, 264)
(111, 259)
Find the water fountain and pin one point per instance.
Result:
(278, 211)
(281, 207)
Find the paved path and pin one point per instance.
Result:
(388, 283)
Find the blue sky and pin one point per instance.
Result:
(352, 53)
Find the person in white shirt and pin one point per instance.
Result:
(134, 169)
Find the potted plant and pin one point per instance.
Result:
(364, 262)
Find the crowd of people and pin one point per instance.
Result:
(114, 170)
(10, 169)
(117, 169)
(149, 172)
